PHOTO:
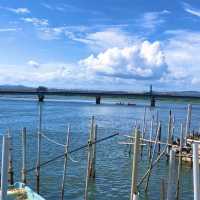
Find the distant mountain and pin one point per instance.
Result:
(181, 93)
(15, 88)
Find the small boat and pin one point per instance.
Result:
(120, 103)
(19, 191)
(131, 104)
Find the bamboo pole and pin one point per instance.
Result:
(153, 153)
(4, 168)
(150, 138)
(23, 172)
(134, 190)
(169, 131)
(159, 138)
(162, 190)
(144, 122)
(130, 145)
(157, 117)
(143, 127)
(154, 163)
(39, 148)
(171, 179)
(188, 121)
(65, 163)
(89, 159)
(196, 183)
(92, 148)
(173, 125)
(179, 164)
(93, 157)
(10, 161)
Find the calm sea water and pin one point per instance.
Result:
(113, 165)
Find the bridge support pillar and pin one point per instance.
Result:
(153, 101)
(98, 99)
(41, 97)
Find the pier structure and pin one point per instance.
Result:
(98, 100)
(152, 97)
(41, 93)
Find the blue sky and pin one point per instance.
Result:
(107, 44)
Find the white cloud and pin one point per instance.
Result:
(104, 39)
(36, 21)
(48, 73)
(182, 56)
(96, 40)
(17, 10)
(48, 6)
(9, 29)
(151, 20)
(114, 67)
(46, 32)
(33, 63)
(142, 61)
(193, 11)
(119, 59)
(53, 33)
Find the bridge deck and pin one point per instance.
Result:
(100, 93)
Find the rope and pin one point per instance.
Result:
(53, 141)
(72, 159)
(72, 151)
(153, 164)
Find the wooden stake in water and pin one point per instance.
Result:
(157, 117)
(179, 163)
(131, 139)
(134, 190)
(162, 190)
(89, 159)
(159, 138)
(188, 121)
(171, 180)
(169, 131)
(152, 157)
(24, 155)
(143, 127)
(150, 138)
(196, 183)
(65, 164)
(4, 168)
(10, 162)
(93, 156)
(144, 122)
(39, 148)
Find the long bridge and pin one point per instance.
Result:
(151, 95)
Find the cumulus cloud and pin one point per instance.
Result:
(182, 56)
(142, 61)
(113, 67)
(121, 61)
